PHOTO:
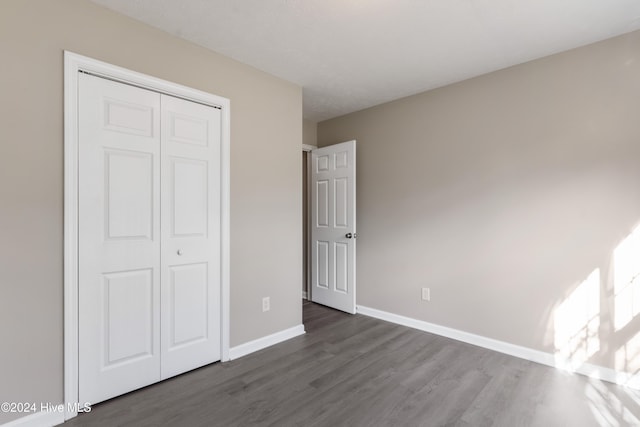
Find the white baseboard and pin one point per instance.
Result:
(304, 295)
(38, 419)
(593, 371)
(264, 342)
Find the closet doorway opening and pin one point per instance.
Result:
(111, 114)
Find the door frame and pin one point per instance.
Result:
(73, 64)
(306, 148)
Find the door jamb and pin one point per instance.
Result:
(306, 148)
(73, 64)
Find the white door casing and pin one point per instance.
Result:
(333, 226)
(122, 159)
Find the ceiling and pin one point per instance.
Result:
(352, 54)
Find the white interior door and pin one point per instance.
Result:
(119, 238)
(190, 235)
(333, 226)
(149, 237)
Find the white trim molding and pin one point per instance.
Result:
(307, 147)
(73, 64)
(306, 293)
(586, 369)
(38, 419)
(264, 342)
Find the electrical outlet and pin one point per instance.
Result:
(426, 294)
(266, 304)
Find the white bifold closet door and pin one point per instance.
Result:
(149, 237)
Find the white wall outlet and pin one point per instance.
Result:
(426, 294)
(266, 304)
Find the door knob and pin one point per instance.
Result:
(179, 252)
(349, 235)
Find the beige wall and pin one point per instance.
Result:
(309, 132)
(266, 210)
(502, 194)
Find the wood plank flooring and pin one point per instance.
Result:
(359, 371)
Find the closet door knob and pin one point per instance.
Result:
(179, 252)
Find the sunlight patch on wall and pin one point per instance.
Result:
(628, 356)
(576, 323)
(626, 269)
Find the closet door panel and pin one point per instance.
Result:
(149, 237)
(190, 235)
(119, 238)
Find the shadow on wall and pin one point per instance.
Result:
(605, 306)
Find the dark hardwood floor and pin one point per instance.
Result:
(359, 371)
